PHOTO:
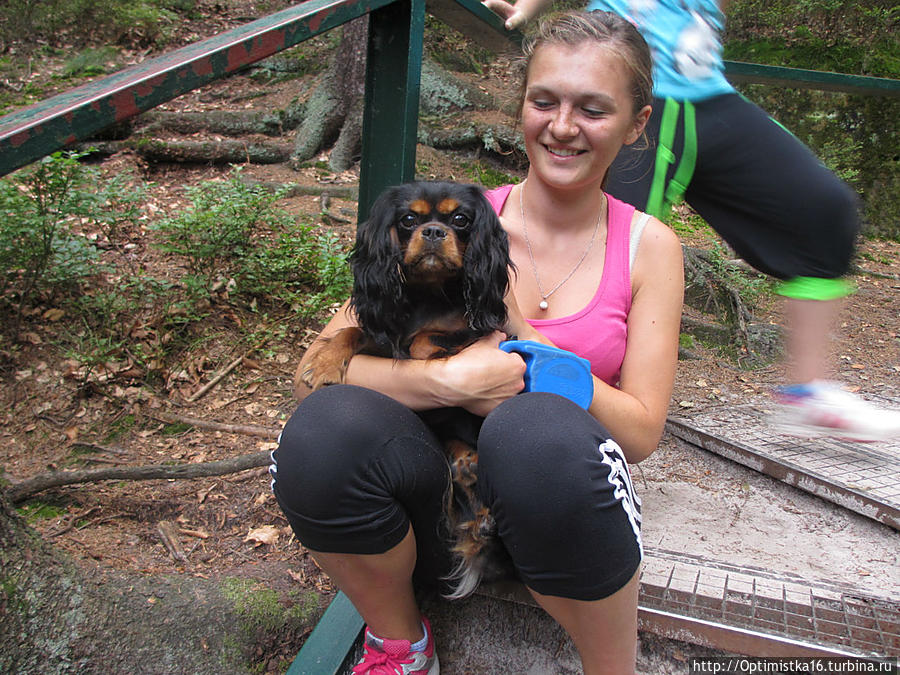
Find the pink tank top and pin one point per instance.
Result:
(597, 332)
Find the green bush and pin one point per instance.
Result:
(90, 62)
(301, 269)
(140, 22)
(214, 233)
(236, 239)
(44, 208)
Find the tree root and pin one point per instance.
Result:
(334, 110)
(20, 491)
(196, 152)
(709, 286)
(498, 139)
(224, 122)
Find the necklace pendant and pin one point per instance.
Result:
(543, 304)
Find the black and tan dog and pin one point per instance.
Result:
(431, 269)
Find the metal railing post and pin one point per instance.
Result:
(393, 70)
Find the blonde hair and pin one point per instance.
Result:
(603, 28)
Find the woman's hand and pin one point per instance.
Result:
(518, 14)
(481, 376)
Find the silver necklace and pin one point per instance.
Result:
(543, 303)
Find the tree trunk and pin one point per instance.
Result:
(57, 616)
(331, 113)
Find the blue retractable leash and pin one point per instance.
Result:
(554, 370)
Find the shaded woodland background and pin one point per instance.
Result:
(156, 293)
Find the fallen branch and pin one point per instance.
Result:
(168, 534)
(222, 373)
(348, 192)
(217, 378)
(17, 492)
(226, 122)
(872, 273)
(244, 429)
(71, 520)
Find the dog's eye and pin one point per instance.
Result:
(408, 221)
(460, 220)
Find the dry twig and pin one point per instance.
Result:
(217, 378)
(169, 536)
(210, 425)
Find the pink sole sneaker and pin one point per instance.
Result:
(382, 656)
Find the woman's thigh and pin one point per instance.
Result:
(560, 491)
(354, 469)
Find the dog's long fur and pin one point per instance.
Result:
(431, 270)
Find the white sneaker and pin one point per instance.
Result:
(822, 408)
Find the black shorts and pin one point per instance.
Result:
(355, 469)
(759, 187)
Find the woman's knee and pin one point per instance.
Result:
(827, 223)
(575, 530)
(352, 467)
(323, 426)
(843, 208)
(334, 434)
(538, 444)
(536, 428)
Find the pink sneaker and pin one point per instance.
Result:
(824, 409)
(394, 657)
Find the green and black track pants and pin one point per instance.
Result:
(768, 196)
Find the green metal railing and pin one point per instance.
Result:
(393, 69)
(392, 81)
(754, 73)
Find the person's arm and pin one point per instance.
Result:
(479, 378)
(518, 14)
(635, 413)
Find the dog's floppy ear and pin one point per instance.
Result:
(487, 266)
(378, 286)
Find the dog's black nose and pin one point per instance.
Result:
(434, 232)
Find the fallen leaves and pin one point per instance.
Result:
(263, 535)
(53, 314)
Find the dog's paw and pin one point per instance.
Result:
(463, 463)
(475, 532)
(316, 375)
(327, 359)
(484, 524)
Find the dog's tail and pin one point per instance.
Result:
(480, 554)
(466, 580)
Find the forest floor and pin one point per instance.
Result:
(231, 526)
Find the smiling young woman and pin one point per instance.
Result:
(359, 475)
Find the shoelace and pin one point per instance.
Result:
(377, 662)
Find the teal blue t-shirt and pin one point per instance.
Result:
(683, 36)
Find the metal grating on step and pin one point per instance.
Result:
(863, 477)
(829, 615)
